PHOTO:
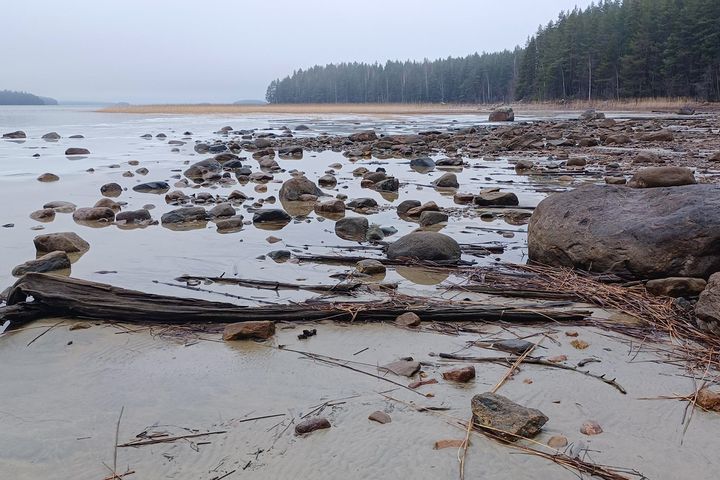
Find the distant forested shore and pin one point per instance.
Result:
(613, 50)
(9, 97)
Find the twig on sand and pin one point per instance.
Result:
(116, 476)
(168, 439)
(117, 436)
(571, 463)
(534, 361)
(44, 332)
(339, 362)
(514, 366)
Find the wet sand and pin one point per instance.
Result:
(60, 403)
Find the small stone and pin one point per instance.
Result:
(406, 368)
(441, 444)
(557, 441)
(79, 326)
(557, 358)
(256, 330)
(370, 267)
(462, 375)
(500, 413)
(420, 383)
(311, 424)
(408, 319)
(48, 177)
(708, 399)
(591, 427)
(571, 334)
(380, 417)
(579, 344)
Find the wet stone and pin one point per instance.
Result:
(255, 330)
(500, 413)
(311, 424)
(380, 417)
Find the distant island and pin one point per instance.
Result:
(9, 97)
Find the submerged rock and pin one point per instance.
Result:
(500, 413)
(641, 233)
(50, 262)
(430, 246)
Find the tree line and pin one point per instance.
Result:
(9, 97)
(611, 50)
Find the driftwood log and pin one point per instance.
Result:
(54, 296)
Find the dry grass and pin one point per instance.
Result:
(644, 105)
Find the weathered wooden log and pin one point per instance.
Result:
(62, 296)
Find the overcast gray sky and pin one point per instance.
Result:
(164, 51)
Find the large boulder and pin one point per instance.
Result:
(653, 177)
(204, 170)
(707, 309)
(641, 233)
(502, 114)
(430, 246)
(184, 215)
(298, 189)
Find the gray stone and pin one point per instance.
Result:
(429, 218)
(50, 262)
(204, 170)
(653, 177)
(273, 215)
(185, 214)
(352, 228)
(68, 242)
(707, 309)
(134, 216)
(500, 414)
(488, 199)
(640, 233)
(294, 188)
(94, 214)
(502, 114)
(448, 180)
(676, 286)
(152, 187)
(430, 246)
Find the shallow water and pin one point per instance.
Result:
(141, 256)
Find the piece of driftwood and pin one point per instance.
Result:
(270, 285)
(62, 296)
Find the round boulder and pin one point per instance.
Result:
(430, 246)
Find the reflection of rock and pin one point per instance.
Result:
(421, 276)
(298, 209)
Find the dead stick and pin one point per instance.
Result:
(117, 435)
(43, 333)
(169, 439)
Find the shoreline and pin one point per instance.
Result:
(643, 105)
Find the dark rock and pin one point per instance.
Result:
(405, 206)
(293, 189)
(448, 180)
(229, 225)
(676, 286)
(658, 136)
(502, 114)
(516, 346)
(111, 190)
(311, 424)
(48, 177)
(370, 267)
(653, 177)
(327, 181)
(50, 262)
(94, 214)
(429, 218)
(19, 134)
(185, 214)
(641, 233)
(500, 413)
(280, 256)
(274, 215)
(352, 228)
(425, 246)
(204, 170)
(68, 242)
(152, 187)
(362, 204)
(77, 151)
(461, 375)
(403, 367)
(222, 210)
(489, 199)
(292, 151)
(366, 136)
(390, 184)
(134, 216)
(408, 319)
(301, 128)
(331, 207)
(255, 330)
(422, 164)
(707, 309)
(380, 417)
(450, 162)
(44, 215)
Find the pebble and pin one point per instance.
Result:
(311, 424)
(380, 417)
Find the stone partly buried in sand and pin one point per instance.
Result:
(50, 262)
(429, 246)
(256, 330)
(77, 151)
(499, 414)
(460, 375)
(640, 233)
(676, 286)
(311, 424)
